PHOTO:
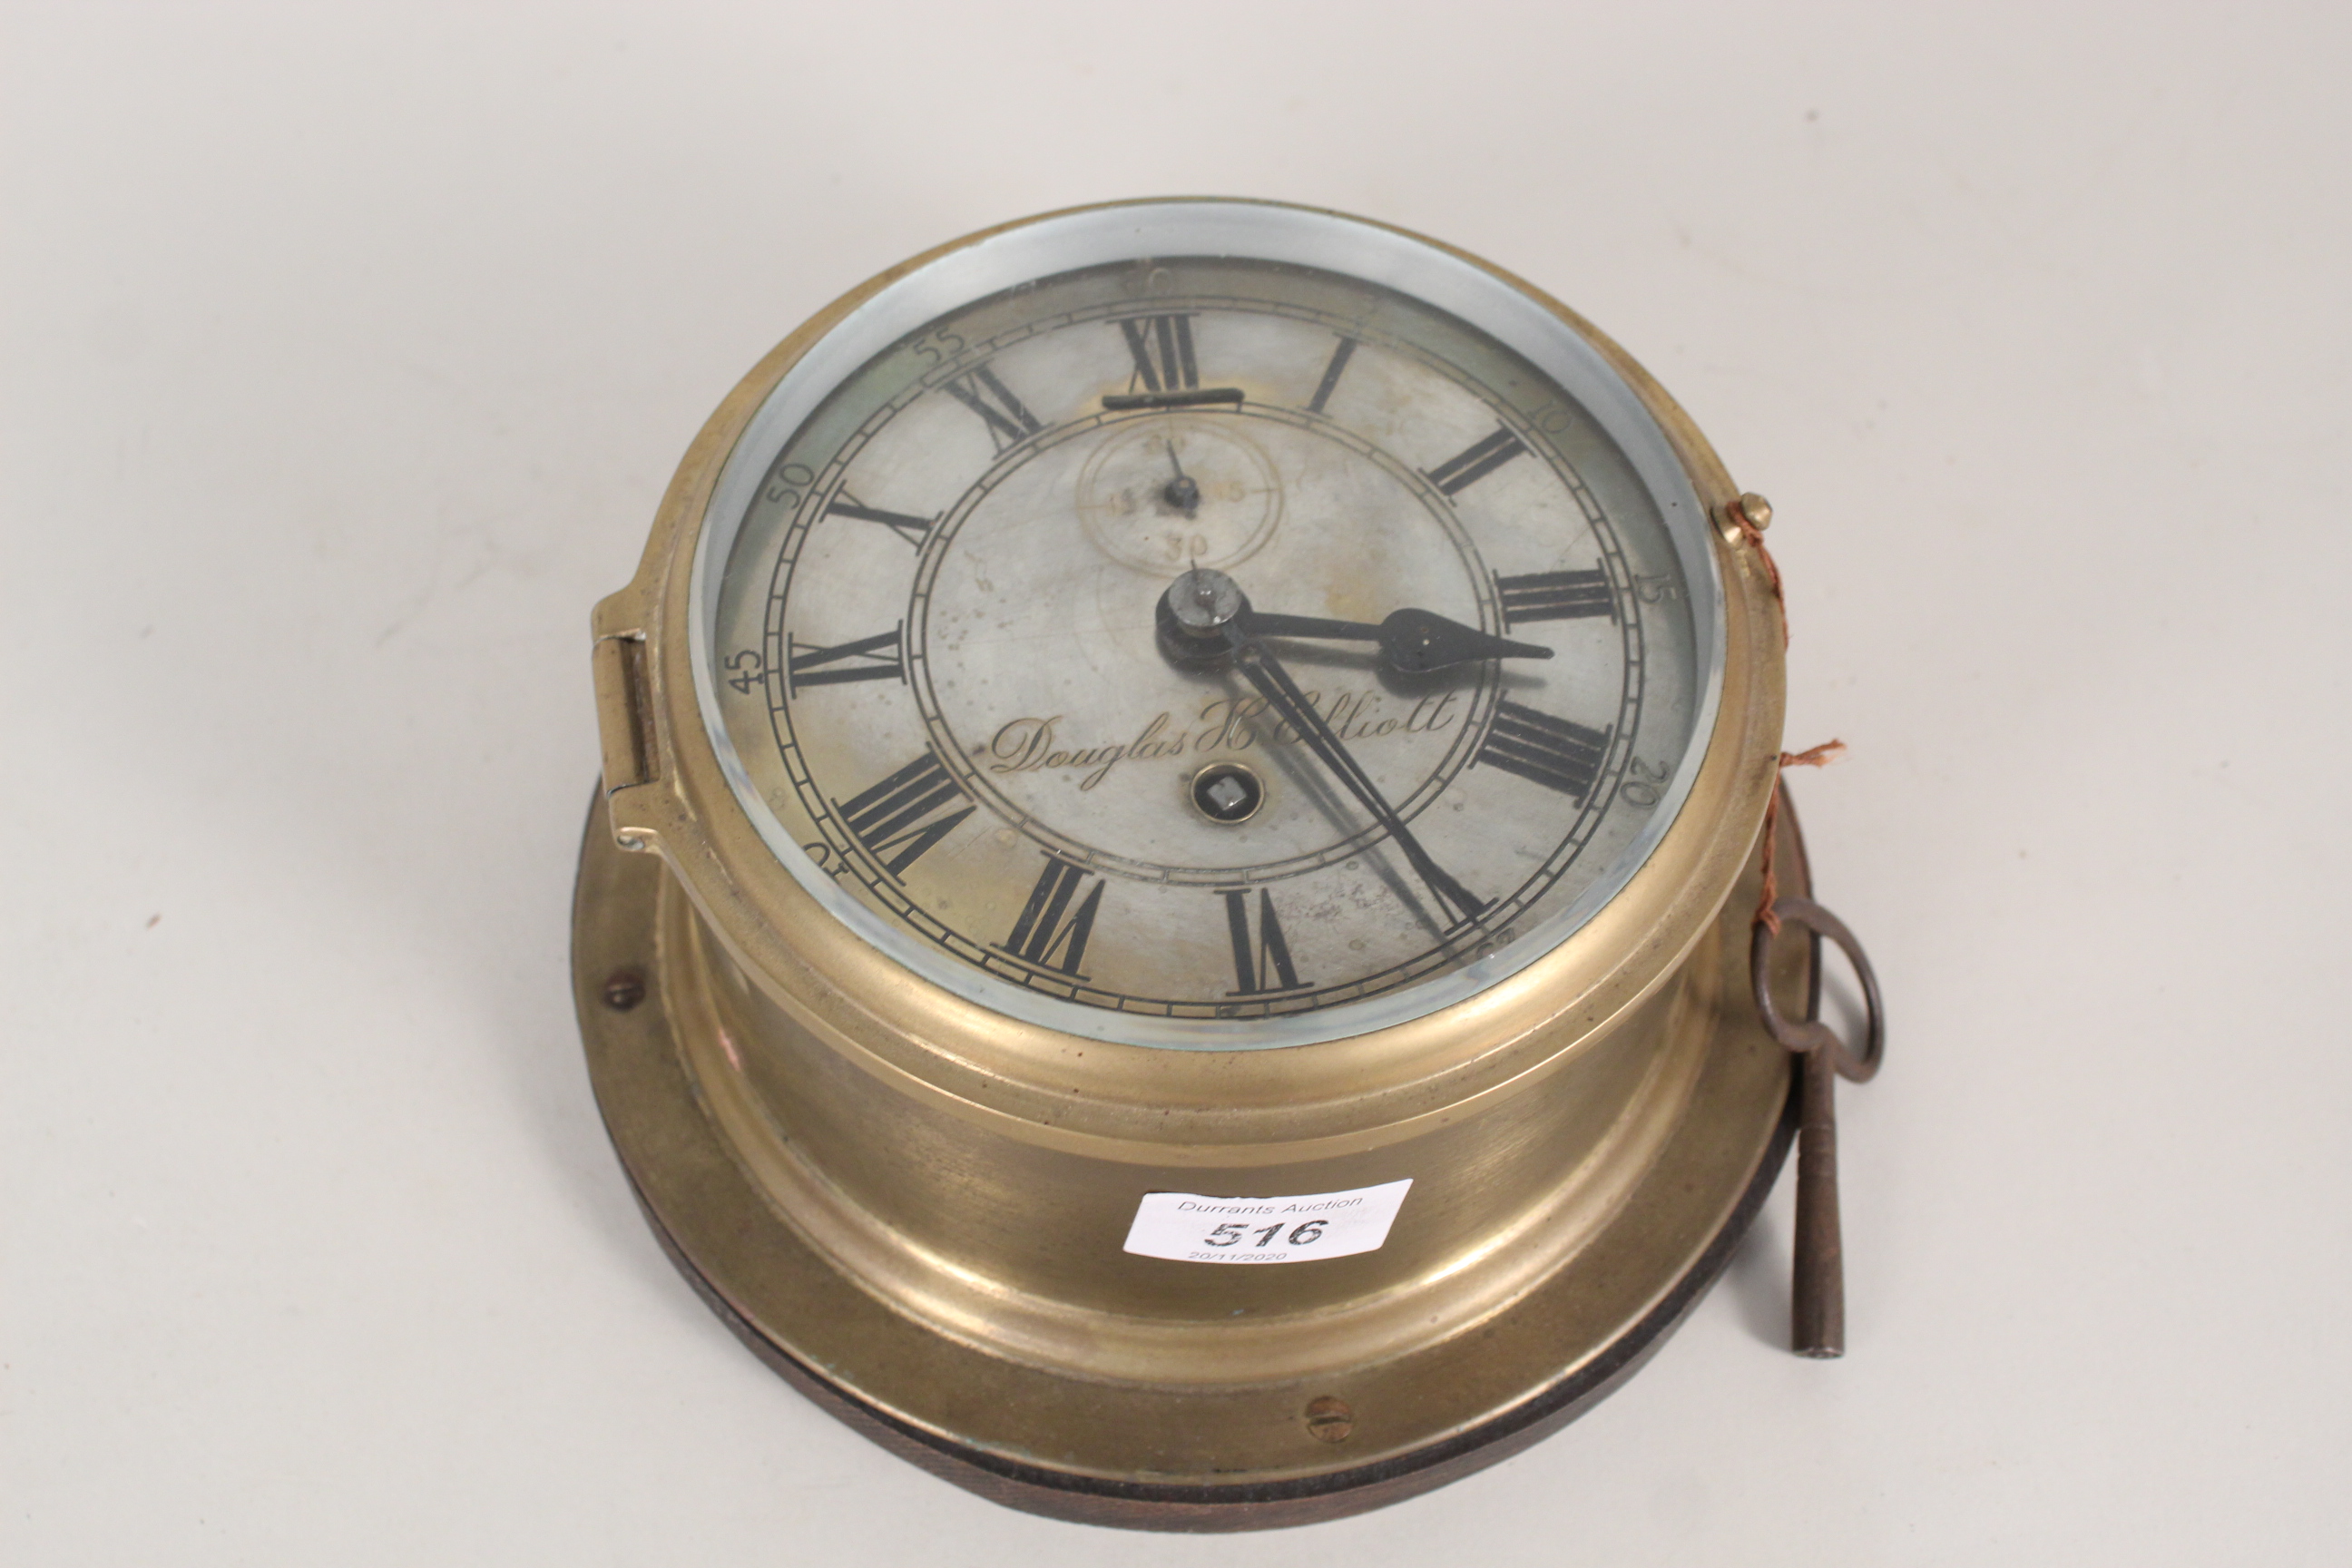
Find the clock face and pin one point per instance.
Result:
(1206, 648)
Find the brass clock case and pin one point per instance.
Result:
(913, 1205)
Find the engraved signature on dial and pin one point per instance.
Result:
(1223, 724)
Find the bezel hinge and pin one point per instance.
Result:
(624, 708)
(624, 713)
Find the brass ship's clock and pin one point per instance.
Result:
(1199, 770)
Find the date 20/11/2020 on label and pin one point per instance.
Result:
(1191, 1228)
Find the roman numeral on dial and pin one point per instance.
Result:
(1050, 933)
(913, 529)
(1161, 347)
(1556, 754)
(869, 658)
(1331, 374)
(1466, 468)
(1009, 422)
(1555, 596)
(899, 818)
(1261, 963)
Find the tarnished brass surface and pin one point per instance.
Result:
(919, 1204)
(1189, 1417)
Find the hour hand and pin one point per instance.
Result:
(1411, 642)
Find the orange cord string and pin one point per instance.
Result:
(1819, 756)
(1754, 538)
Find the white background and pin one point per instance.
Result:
(344, 352)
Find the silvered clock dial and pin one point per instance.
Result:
(942, 653)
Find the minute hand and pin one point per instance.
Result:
(1282, 694)
(1412, 641)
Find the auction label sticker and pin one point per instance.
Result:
(1191, 1228)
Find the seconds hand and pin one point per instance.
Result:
(1181, 492)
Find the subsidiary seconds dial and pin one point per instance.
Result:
(1157, 650)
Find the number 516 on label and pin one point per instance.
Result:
(1192, 1227)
